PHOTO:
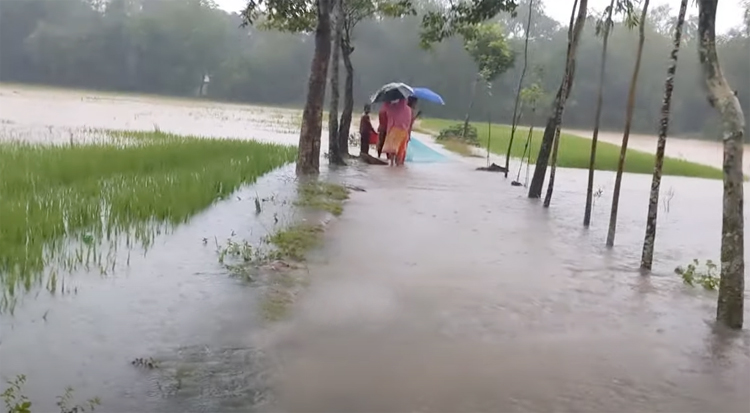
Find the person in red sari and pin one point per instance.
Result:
(397, 132)
(367, 134)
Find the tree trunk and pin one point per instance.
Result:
(471, 105)
(346, 114)
(628, 122)
(334, 149)
(308, 156)
(647, 257)
(518, 91)
(729, 311)
(556, 144)
(555, 119)
(597, 117)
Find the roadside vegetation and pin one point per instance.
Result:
(574, 151)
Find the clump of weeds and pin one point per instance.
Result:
(705, 275)
(323, 196)
(16, 402)
(294, 242)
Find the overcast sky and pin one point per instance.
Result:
(729, 14)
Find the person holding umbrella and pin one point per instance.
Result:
(397, 131)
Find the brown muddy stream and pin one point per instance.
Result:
(440, 289)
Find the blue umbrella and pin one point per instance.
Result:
(422, 93)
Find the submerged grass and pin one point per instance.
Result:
(457, 147)
(51, 195)
(574, 151)
(323, 196)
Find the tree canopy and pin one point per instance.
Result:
(167, 47)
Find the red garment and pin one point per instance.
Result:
(382, 119)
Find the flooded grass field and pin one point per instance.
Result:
(437, 288)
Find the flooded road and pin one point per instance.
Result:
(439, 289)
(447, 290)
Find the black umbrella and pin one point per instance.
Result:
(392, 91)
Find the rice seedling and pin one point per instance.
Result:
(62, 204)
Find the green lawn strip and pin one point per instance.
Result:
(574, 151)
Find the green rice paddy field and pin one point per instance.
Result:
(52, 196)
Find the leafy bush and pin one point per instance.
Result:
(456, 133)
(705, 275)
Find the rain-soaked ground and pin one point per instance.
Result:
(439, 289)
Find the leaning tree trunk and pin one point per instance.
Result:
(647, 257)
(334, 150)
(597, 116)
(518, 91)
(555, 119)
(628, 123)
(471, 105)
(346, 114)
(729, 311)
(308, 156)
(564, 91)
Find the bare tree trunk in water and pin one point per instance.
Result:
(647, 257)
(555, 119)
(471, 105)
(628, 122)
(597, 116)
(346, 114)
(518, 91)
(565, 90)
(729, 311)
(334, 150)
(308, 156)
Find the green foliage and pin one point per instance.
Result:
(487, 46)
(621, 7)
(294, 242)
(456, 133)
(132, 185)
(531, 95)
(705, 275)
(302, 15)
(574, 152)
(166, 47)
(322, 196)
(16, 402)
(438, 25)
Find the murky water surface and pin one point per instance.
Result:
(439, 289)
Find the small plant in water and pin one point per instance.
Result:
(16, 402)
(706, 275)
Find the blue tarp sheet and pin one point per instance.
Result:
(418, 152)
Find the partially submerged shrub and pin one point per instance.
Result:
(17, 402)
(456, 133)
(705, 275)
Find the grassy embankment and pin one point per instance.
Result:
(52, 197)
(574, 151)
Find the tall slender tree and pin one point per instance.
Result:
(564, 91)
(603, 27)
(334, 148)
(647, 257)
(628, 123)
(730, 306)
(555, 118)
(514, 122)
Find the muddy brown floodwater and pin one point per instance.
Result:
(440, 289)
(447, 290)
